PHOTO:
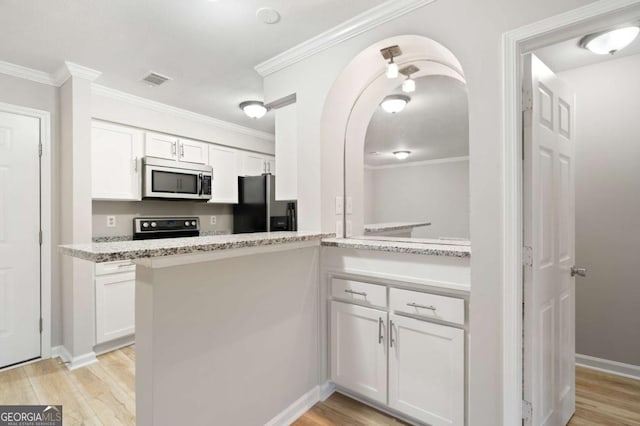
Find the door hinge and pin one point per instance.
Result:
(527, 100)
(40, 237)
(40, 149)
(40, 325)
(527, 409)
(527, 256)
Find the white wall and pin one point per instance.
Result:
(472, 30)
(26, 93)
(432, 192)
(608, 208)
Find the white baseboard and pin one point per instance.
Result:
(302, 405)
(73, 363)
(606, 366)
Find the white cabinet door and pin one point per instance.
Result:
(270, 164)
(161, 146)
(115, 162)
(115, 306)
(226, 168)
(253, 164)
(426, 371)
(358, 350)
(193, 151)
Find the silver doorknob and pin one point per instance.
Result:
(581, 272)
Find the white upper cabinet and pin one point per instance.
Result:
(115, 162)
(287, 153)
(193, 151)
(173, 148)
(426, 371)
(226, 168)
(161, 146)
(358, 349)
(254, 164)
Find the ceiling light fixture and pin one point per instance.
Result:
(409, 85)
(610, 41)
(253, 109)
(401, 155)
(388, 53)
(394, 103)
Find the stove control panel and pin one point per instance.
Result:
(165, 227)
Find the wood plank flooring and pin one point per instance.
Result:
(104, 394)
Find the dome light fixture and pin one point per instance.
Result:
(394, 103)
(402, 155)
(610, 41)
(253, 109)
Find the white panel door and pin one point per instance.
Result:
(161, 146)
(193, 151)
(253, 164)
(19, 240)
(115, 162)
(226, 168)
(115, 306)
(426, 370)
(549, 218)
(358, 350)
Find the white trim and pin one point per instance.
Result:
(77, 362)
(326, 390)
(46, 224)
(418, 163)
(69, 69)
(25, 73)
(350, 28)
(606, 366)
(300, 406)
(513, 46)
(107, 92)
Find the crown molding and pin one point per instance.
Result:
(418, 163)
(353, 27)
(69, 69)
(107, 92)
(27, 73)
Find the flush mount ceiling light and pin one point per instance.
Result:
(394, 103)
(610, 41)
(268, 15)
(253, 109)
(401, 155)
(409, 85)
(388, 53)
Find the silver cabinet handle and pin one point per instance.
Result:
(359, 293)
(181, 150)
(174, 150)
(135, 164)
(581, 272)
(391, 340)
(379, 330)
(125, 265)
(415, 305)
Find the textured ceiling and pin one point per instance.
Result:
(434, 124)
(209, 48)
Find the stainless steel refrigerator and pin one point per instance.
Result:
(257, 209)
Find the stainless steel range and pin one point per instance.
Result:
(146, 228)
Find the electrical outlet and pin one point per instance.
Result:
(212, 220)
(339, 204)
(349, 205)
(111, 221)
(339, 228)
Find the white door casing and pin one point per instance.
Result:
(19, 238)
(358, 350)
(549, 231)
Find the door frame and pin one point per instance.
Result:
(45, 219)
(590, 18)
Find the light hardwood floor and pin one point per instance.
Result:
(104, 394)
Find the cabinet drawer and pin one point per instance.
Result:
(356, 291)
(115, 267)
(428, 305)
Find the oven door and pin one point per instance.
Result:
(176, 183)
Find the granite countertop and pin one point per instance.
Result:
(392, 226)
(128, 250)
(437, 248)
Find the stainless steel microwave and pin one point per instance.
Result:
(171, 179)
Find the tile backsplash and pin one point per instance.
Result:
(125, 211)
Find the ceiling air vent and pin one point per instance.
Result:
(155, 79)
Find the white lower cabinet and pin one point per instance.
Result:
(426, 370)
(359, 349)
(115, 300)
